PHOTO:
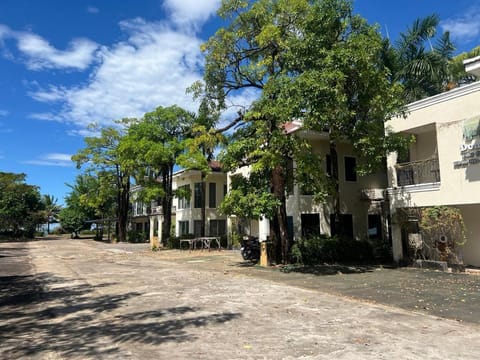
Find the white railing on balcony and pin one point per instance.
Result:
(418, 172)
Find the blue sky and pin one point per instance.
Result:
(66, 64)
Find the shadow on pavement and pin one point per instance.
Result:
(43, 313)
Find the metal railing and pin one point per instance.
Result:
(418, 172)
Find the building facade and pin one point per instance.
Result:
(443, 164)
(362, 202)
(186, 211)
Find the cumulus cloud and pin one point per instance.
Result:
(463, 28)
(191, 12)
(40, 54)
(152, 67)
(52, 159)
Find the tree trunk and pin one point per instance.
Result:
(167, 200)
(204, 205)
(280, 239)
(123, 199)
(334, 177)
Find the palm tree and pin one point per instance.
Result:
(52, 209)
(423, 68)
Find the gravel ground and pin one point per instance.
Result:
(79, 299)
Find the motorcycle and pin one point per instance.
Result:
(250, 248)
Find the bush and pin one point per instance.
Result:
(134, 236)
(319, 249)
(173, 242)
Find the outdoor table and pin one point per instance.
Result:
(203, 242)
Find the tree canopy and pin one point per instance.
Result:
(308, 60)
(20, 205)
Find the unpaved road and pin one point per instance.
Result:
(81, 299)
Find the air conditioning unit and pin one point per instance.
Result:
(372, 194)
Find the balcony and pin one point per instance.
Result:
(418, 172)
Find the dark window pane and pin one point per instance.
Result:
(197, 200)
(350, 168)
(212, 195)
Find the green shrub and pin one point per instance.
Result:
(173, 242)
(320, 249)
(134, 236)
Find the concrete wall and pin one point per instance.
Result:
(471, 250)
(191, 214)
(459, 185)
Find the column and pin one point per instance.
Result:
(159, 229)
(263, 228)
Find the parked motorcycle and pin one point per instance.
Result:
(250, 248)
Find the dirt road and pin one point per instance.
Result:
(81, 299)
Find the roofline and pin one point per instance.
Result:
(445, 96)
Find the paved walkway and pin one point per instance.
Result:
(83, 299)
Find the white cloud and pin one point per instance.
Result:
(153, 67)
(3, 112)
(191, 12)
(53, 159)
(41, 55)
(463, 28)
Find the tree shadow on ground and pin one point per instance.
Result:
(44, 313)
(328, 269)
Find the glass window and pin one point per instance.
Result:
(212, 195)
(218, 227)
(183, 202)
(197, 200)
(183, 228)
(350, 168)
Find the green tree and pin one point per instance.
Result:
(152, 146)
(457, 69)
(83, 204)
(104, 160)
(310, 60)
(423, 67)
(52, 209)
(20, 205)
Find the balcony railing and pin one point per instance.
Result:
(418, 172)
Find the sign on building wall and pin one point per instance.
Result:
(469, 149)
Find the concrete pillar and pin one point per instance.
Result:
(152, 225)
(159, 228)
(263, 229)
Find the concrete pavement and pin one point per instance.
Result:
(81, 299)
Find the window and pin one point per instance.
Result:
(310, 225)
(197, 200)
(197, 228)
(183, 228)
(225, 190)
(212, 195)
(345, 226)
(350, 168)
(184, 202)
(374, 226)
(218, 227)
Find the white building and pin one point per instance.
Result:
(362, 201)
(186, 212)
(443, 167)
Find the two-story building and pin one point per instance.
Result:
(189, 210)
(443, 164)
(362, 203)
(186, 211)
